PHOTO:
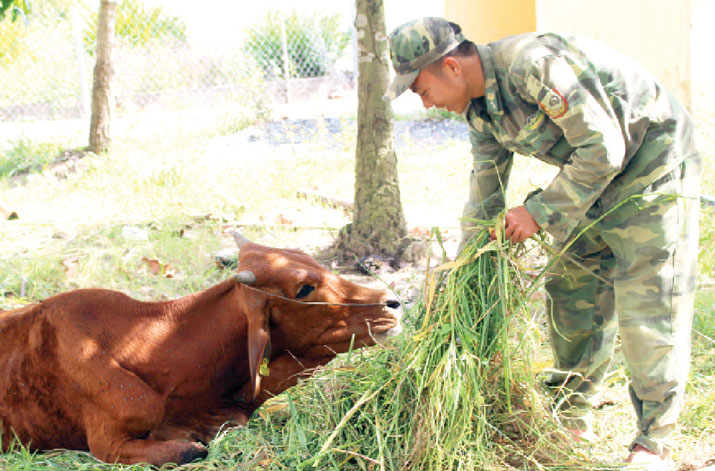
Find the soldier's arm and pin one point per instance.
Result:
(487, 182)
(570, 92)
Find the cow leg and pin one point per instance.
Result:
(202, 426)
(155, 452)
(285, 370)
(123, 442)
(120, 421)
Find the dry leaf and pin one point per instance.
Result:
(154, 266)
(419, 232)
(157, 268)
(71, 267)
(283, 220)
(8, 215)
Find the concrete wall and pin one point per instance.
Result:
(487, 20)
(656, 33)
(701, 48)
(398, 12)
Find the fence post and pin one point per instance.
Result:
(286, 57)
(353, 28)
(84, 87)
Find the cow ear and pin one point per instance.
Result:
(258, 339)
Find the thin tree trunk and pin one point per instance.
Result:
(378, 221)
(102, 96)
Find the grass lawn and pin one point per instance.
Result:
(170, 188)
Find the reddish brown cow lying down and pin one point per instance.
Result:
(152, 382)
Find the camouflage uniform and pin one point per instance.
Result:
(623, 209)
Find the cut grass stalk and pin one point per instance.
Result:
(444, 399)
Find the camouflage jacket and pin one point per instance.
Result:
(575, 103)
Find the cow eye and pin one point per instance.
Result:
(304, 291)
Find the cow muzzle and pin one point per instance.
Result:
(393, 308)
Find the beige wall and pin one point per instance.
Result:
(487, 20)
(656, 33)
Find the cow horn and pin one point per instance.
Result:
(245, 277)
(238, 237)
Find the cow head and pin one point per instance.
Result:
(297, 305)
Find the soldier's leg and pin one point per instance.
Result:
(582, 326)
(656, 248)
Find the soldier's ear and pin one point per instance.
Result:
(451, 66)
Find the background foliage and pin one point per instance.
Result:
(313, 43)
(158, 64)
(137, 25)
(17, 7)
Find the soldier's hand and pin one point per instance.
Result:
(519, 225)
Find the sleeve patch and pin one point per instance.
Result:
(554, 104)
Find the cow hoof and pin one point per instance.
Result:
(193, 453)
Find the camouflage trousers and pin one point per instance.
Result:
(632, 274)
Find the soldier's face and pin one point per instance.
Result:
(442, 87)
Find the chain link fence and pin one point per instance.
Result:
(47, 60)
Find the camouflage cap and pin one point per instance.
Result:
(415, 45)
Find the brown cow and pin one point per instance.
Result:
(152, 382)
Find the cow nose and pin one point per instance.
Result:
(393, 304)
(394, 308)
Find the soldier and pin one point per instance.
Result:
(623, 210)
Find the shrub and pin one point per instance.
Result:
(314, 44)
(17, 7)
(26, 156)
(13, 37)
(138, 25)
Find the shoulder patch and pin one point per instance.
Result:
(535, 120)
(554, 104)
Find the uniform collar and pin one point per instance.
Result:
(491, 101)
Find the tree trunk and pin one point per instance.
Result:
(378, 221)
(102, 96)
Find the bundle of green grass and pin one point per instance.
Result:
(455, 391)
